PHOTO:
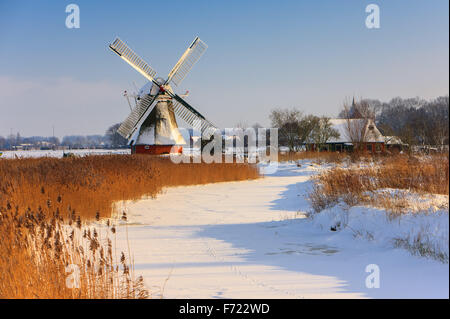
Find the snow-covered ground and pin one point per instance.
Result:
(59, 153)
(251, 239)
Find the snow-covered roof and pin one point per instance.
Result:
(393, 140)
(343, 126)
(340, 125)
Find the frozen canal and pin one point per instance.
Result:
(251, 240)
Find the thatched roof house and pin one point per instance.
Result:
(352, 133)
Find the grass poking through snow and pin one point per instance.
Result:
(354, 185)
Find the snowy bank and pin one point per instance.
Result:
(60, 153)
(251, 239)
(423, 233)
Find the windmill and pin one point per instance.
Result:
(151, 127)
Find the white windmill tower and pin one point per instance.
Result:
(151, 126)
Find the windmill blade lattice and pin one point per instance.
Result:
(187, 61)
(119, 47)
(180, 107)
(190, 115)
(127, 126)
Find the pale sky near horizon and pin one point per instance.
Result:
(312, 55)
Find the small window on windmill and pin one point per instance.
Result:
(371, 127)
(147, 147)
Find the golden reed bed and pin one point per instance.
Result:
(421, 174)
(91, 184)
(44, 203)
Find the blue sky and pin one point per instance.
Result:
(312, 55)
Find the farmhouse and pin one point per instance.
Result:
(353, 133)
(394, 143)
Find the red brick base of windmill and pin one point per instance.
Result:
(156, 149)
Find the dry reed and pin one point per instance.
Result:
(327, 157)
(92, 184)
(359, 185)
(44, 203)
(57, 257)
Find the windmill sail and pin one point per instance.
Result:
(189, 114)
(187, 61)
(128, 126)
(119, 47)
(163, 119)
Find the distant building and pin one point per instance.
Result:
(23, 146)
(394, 143)
(351, 132)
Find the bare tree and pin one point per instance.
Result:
(115, 139)
(2, 143)
(356, 125)
(322, 132)
(306, 125)
(364, 108)
(438, 111)
(288, 123)
(11, 140)
(256, 126)
(416, 121)
(242, 124)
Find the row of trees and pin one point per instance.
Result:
(12, 141)
(296, 129)
(111, 139)
(417, 122)
(414, 120)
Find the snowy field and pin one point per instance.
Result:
(252, 239)
(83, 152)
(60, 153)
